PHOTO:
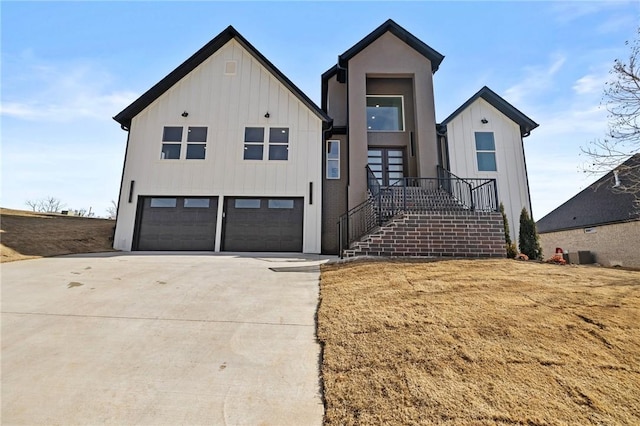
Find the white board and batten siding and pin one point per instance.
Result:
(225, 104)
(511, 176)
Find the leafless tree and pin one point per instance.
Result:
(34, 205)
(622, 100)
(45, 205)
(112, 210)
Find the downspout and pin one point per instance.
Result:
(124, 163)
(526, 133)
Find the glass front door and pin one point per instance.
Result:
(387, 164)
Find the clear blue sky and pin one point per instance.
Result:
(68, 67)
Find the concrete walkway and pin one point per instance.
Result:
(155, 339)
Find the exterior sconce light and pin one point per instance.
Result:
(185, 114)
(267, 115)
(484, 121)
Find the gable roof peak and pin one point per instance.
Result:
(514, 114)
(228, 34)
(394, 28)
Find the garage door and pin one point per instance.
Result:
(177, 223)
(263, 224)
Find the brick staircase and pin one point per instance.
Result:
(427, 222)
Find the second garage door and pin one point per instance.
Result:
(263, 224)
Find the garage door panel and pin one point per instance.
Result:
(177, 227)
(263, 224)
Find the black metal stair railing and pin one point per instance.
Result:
(446, 193)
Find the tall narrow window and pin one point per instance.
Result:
(196, 143)
(171, 140)
(385, 113)
(333, 159)
(278, 143)
(486, 151)
(253, 143)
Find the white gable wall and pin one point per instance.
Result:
(225, 104)
(511, 176)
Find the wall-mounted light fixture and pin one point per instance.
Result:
(185, 114)
(484, 121)
(267, 115)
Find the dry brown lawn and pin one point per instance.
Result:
(27, 235)
(474, 342)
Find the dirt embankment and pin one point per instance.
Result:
(27, 235)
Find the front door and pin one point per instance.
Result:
(387, 164)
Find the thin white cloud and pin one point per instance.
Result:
(590, 84)
(536, 79)
(567, 11)
(63, 93)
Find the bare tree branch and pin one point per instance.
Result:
(622, 99)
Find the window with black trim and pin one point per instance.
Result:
(278, 143)
(333, 159)
(385, 113)
(173, 139)
(486, 152)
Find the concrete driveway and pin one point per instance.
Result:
(161, 339)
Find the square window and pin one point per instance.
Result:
(485, 141)
(254, 134)
(333, 169)
(278, 135)
(385, 113)
(197, 134)
(196, 151)
(486, 161)
(278, 152)
(170, 151)
(252, 152)
(172, 134)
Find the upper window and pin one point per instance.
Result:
(173, 138)
(385, 113)
(486, 151)
(196, 143)
(333, 159)
(254, 138)
(278, 143)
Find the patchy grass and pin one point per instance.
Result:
(479, 342)
(27, 235)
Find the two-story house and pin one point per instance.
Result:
(227, 154)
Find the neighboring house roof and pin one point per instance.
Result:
(126, 115)
(601, 203)
(526, 124)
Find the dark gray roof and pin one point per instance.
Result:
(126, 115)
(599, 204)
(526, 124)
(388, 26)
